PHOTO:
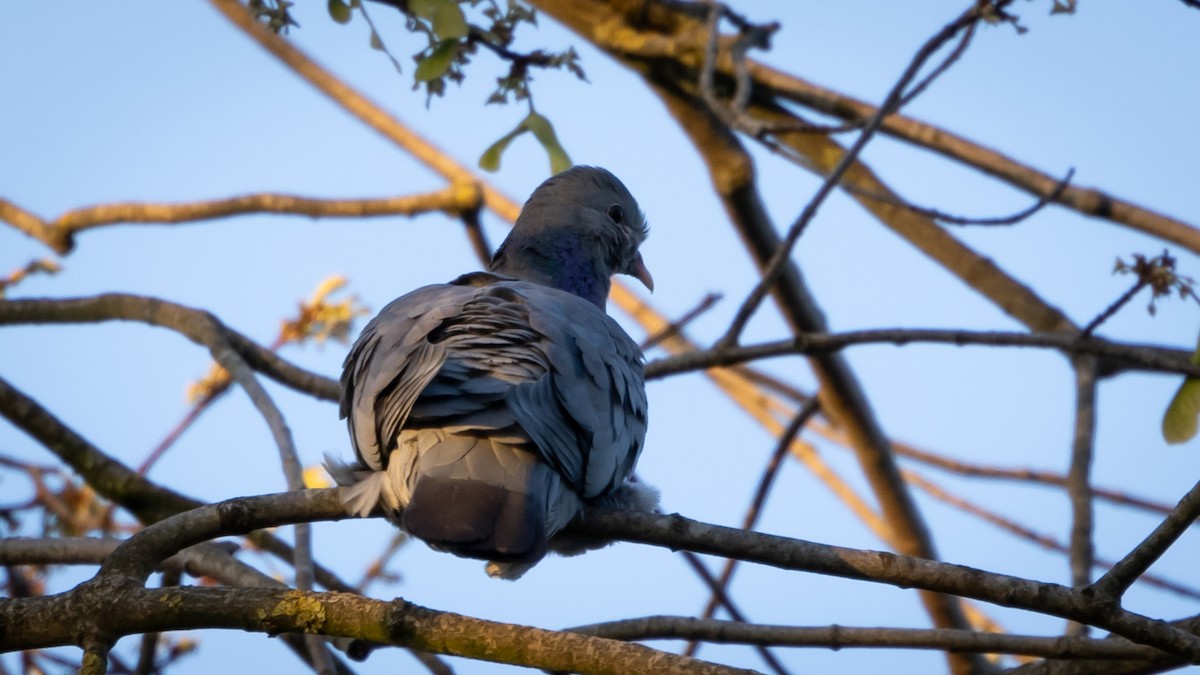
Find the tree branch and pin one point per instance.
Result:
(1117, 356)
(60, 233)
(841, 637)
(1132, 566)
(127, 568)
(197, 325)
(1079, 487)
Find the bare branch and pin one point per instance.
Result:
(293, 473)
(941, 494)
(1132, 566)
(719, 592)
(60, 233)
(148, 501)
(1080, 605)
(706, 303)
(782, 447)
(196, 325)
(1117, 356)
(840, 637)
(950, 219)
(891, 102)
(1088, 201)
(1079, 487)
(1024, 476)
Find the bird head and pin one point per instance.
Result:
(577, 229)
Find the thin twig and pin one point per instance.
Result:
(1134, 565)
(1079, 486)
(241, 373)
(951, 58)
(1116, 355)
(1113, 308)
(715, 588)
(1017, 530)
(1024, 476)
(951, 219)
(706, 303)
(759, 500)
(774, 268)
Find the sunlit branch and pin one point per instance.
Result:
(59, 234)
(773, 268)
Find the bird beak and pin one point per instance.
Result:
(638, 271)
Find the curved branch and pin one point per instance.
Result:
(146, 500)
(129, 566)
(273, 611)
(197, 325)
(60, 233)
(675, 531)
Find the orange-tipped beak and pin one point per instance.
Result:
(642, 274)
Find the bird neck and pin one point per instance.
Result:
(562, 265)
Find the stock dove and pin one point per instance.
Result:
(486, 413)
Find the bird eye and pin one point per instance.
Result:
(616, 213)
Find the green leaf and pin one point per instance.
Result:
(490, 160)
(544, 132)
(438, 62)
(1180, 421)
(376, 43)
(450, 23)
(425, 8)
(340, 11)
(446, 17)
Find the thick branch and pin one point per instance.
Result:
(906, 571)
(126, 570)
(398, 622)
(116, 482)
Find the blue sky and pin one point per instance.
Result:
(166, 102)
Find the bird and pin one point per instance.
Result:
(486, 413)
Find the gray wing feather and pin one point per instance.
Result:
(587, 415)
(447, 353)
(391, 364)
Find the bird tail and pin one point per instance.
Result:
(481, 497)
(363, 488)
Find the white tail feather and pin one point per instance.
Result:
(362, 488)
